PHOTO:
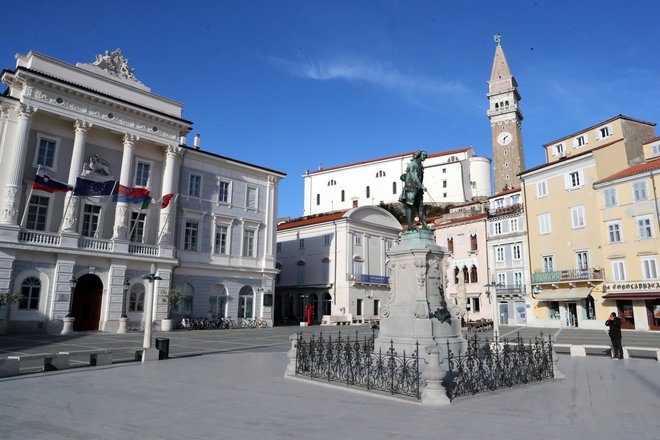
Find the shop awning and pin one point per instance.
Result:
(564, 294)
(639, 296)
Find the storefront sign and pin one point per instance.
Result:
(374, 279)
(641, 286)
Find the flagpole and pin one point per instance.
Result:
(66, 209)
(167, 219)
(134, 224)
(105, 207)
(27, 201)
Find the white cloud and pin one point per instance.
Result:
(377, 74)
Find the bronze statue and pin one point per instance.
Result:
(412, 194)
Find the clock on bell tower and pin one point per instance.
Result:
(505, 120)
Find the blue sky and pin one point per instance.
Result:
(293, 85)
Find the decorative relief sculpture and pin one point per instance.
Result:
(115, 64)
(98, 166)
(9, 211)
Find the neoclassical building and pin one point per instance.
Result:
(78, 253)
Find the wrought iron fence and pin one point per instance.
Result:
(488, 365)
(354, 362)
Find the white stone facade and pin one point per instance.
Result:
(452, 177)
(96, 118)
(335, 262)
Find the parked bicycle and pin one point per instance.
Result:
(254, 323)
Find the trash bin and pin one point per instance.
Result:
(163, 346)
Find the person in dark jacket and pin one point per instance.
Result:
(614, 323)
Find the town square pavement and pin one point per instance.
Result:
(242, 393)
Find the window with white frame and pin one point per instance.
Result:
(542, 189)
(655, 150)
(610, 197)
(47, 148)
(548, 262)
(545, 226)
(357, 267)
(245, 302)
(513, 224)
(618, 270)
(279, 247)
(614, 232)
(497, 228)
(558, 150)
(580, 141)
(604, 132)
(248, 243)
(191, 236)
(499, 254)
(357, 239)
(649, 268)
(137, 227)
(136, 298)
(644, 228)
(517, 251)
(582, 260)
(251, 199)
(30, 293)
(221, 237)
(37, 213)
(517, 279)
(574, 179)
(639, 191)
(577, 217)
(224, 191)
(142, 172)
(444, 184)
(327, 238)
(499, 203)
(325, 270)
(301, 243)
(90, 223)
(195, 185)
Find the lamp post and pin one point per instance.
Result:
(123, 319)
(148, 307)
(493, 302)
(67, 328)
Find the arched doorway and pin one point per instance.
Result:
(245, 302)
(86, 307)
(326, 305)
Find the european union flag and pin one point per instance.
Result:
(86, 187)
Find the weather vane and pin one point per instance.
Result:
(498, 39)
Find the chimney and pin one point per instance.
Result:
(182, 139)
(196, 142)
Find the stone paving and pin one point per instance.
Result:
(237, 390)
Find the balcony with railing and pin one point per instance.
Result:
(95, 244)
(143, 249)
(517, 208)
(40, 238)
(569, 276)
(505, 291)
(368, 279)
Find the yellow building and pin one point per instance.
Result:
(628, 206)
(567, 261)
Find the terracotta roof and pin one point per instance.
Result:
(410, 153)
(503, 193)
(597, 125)
(305, 221)
(462, 220)
(637, 169)
(653, 139)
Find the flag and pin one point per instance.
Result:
(130, 195)
(166, 200)
(86, 187)
(48, 184)
(146, 203)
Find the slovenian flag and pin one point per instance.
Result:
(130, 195)
(48, 184)
(86, 187)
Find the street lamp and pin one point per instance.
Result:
(123, 319)
(148, 308)
(493, 302)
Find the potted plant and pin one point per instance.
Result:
(172, 298)
(6, 301)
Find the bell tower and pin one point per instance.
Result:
(505, 120)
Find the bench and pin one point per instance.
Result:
(337, 320)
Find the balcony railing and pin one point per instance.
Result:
(95, 244)
(569, 275)
(510, 290)
(368, 279)
(36, 237)
(505, 210)
(143, 249)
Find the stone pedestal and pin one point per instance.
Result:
(166, 325)
(67, 328)
(123, 325)
(418, 311)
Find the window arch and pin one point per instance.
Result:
(185, 307)
(30, 291)
(450, 244)
(456, 272)
(218, 301)
(318, 199)
(343, 194)
(380, 173)
(394, 187)
(473, 242)
(245, 302)
(358, 263)
(466, 275)
(332, 182)
(473, 274)
(136, 298)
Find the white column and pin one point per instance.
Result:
(15, 165)
(120, 229)
(172, 154)
(70, 202)
(4, 122)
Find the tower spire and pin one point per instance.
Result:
(500, 66)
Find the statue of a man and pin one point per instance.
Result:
(412, 194)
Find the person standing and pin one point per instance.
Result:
(614, 323)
